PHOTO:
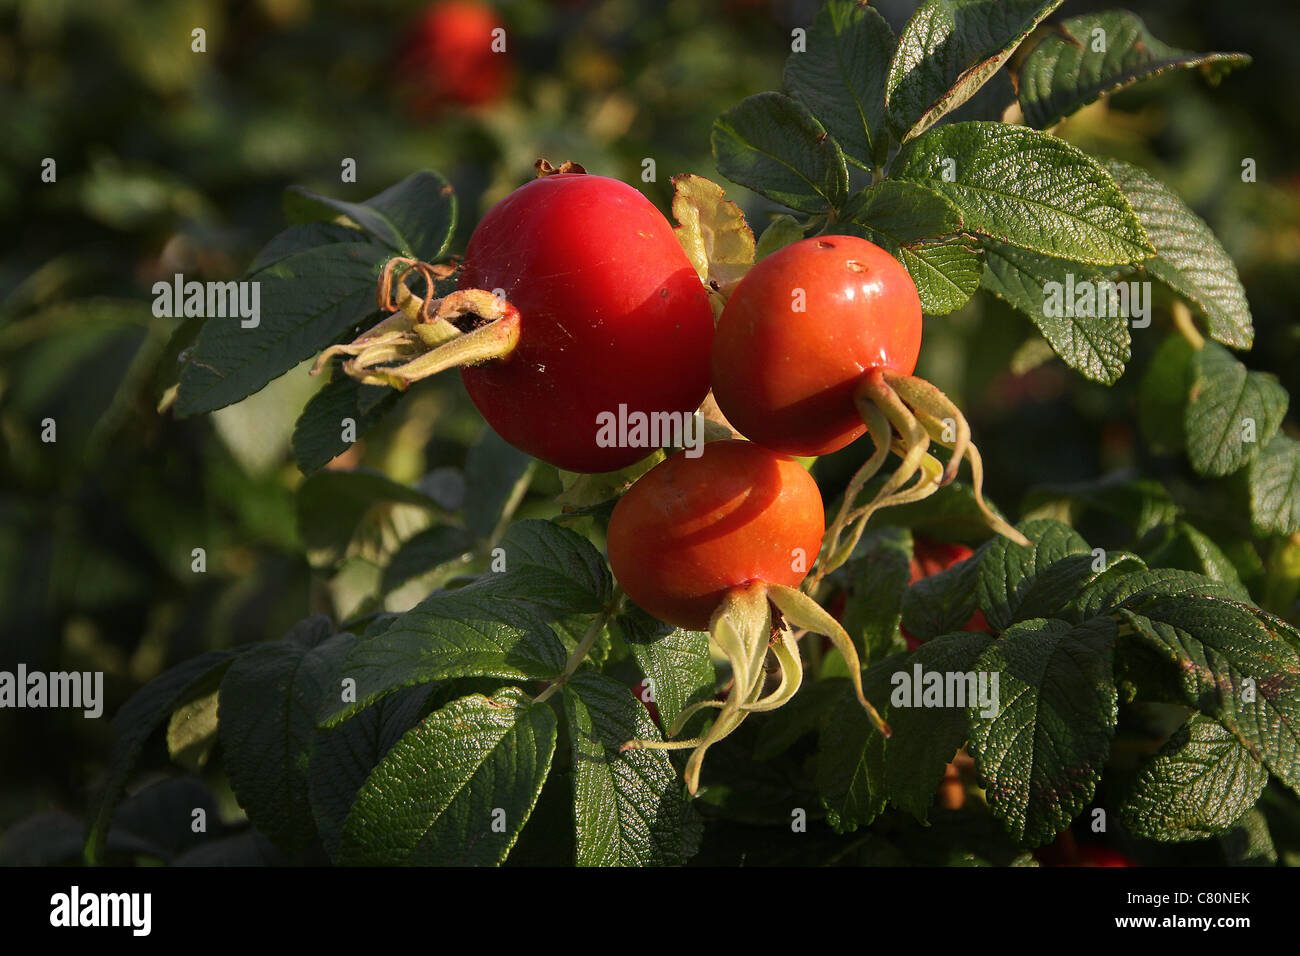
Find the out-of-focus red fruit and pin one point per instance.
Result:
(930, 557)
(1066, 851)
(642, 693)
(447, 58)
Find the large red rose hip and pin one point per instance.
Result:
(611, 314)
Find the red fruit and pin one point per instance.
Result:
(930, 557)
(691, 529)
(611, 313)
(642, 693)
(786, 378)
(448, 58)
(1102, 856)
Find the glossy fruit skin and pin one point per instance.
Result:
(447, 58)
(691, 529)
(786, 378)
(930, 557)
(611, 310)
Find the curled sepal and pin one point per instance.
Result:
(800, 610)
(741, 628)
(786, 651)
(425, 336)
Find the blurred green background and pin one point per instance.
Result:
(173, 161)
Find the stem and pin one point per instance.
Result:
(1186, 327)
(588, 641)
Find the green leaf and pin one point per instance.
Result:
(1275, 488)
(1200, 784)
(481, 630)
(1040, 756)
(305, 301)
(1181, 545)
(925, 739)
(674, 660)
(1140, 503)
(414, 217)
(344, 756)
(1249, 842)
(943, 602)
(1229, 405)
(1124, 589)
(267, 716)
(628, 807)
(1028, 189)
(851, 754)
(873, 609)
(424, 551)
(302, 238)
(1232, 666)
(1189, 259)
(948, 50)
(1066, 70)
(841, 76)
(782, 231)
(905, 212)
(807, 711)
(773, 145)
(139, 717)
(1008, 572)
(1096, 345)
(516, 624)
(457, 788)
(496, 474)
(318, 437)
(946, 273)
(1163, 393)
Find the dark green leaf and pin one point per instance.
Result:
(774, 146)
(305, 302)
(903, 211)
(1275, 488)
(851, 753)
(782, 231)
(1100, 53)
(267, 716)
(496, 474)
(414, 217)
(628, 807)
(674, 660)
(332, 504)
(926, 738)
(1200, 783)
(1232, 412)
(1008, 571)
(456, 789)
(1093, 340)
(1232, 667)
(948, 50)
(318, 437)
(1189, 259)
(841, 75)
(874, 606)
(298, 239)
(1118, 590)
(1028, 189)
(1041, 755)
(344, 756)
(943, 602)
